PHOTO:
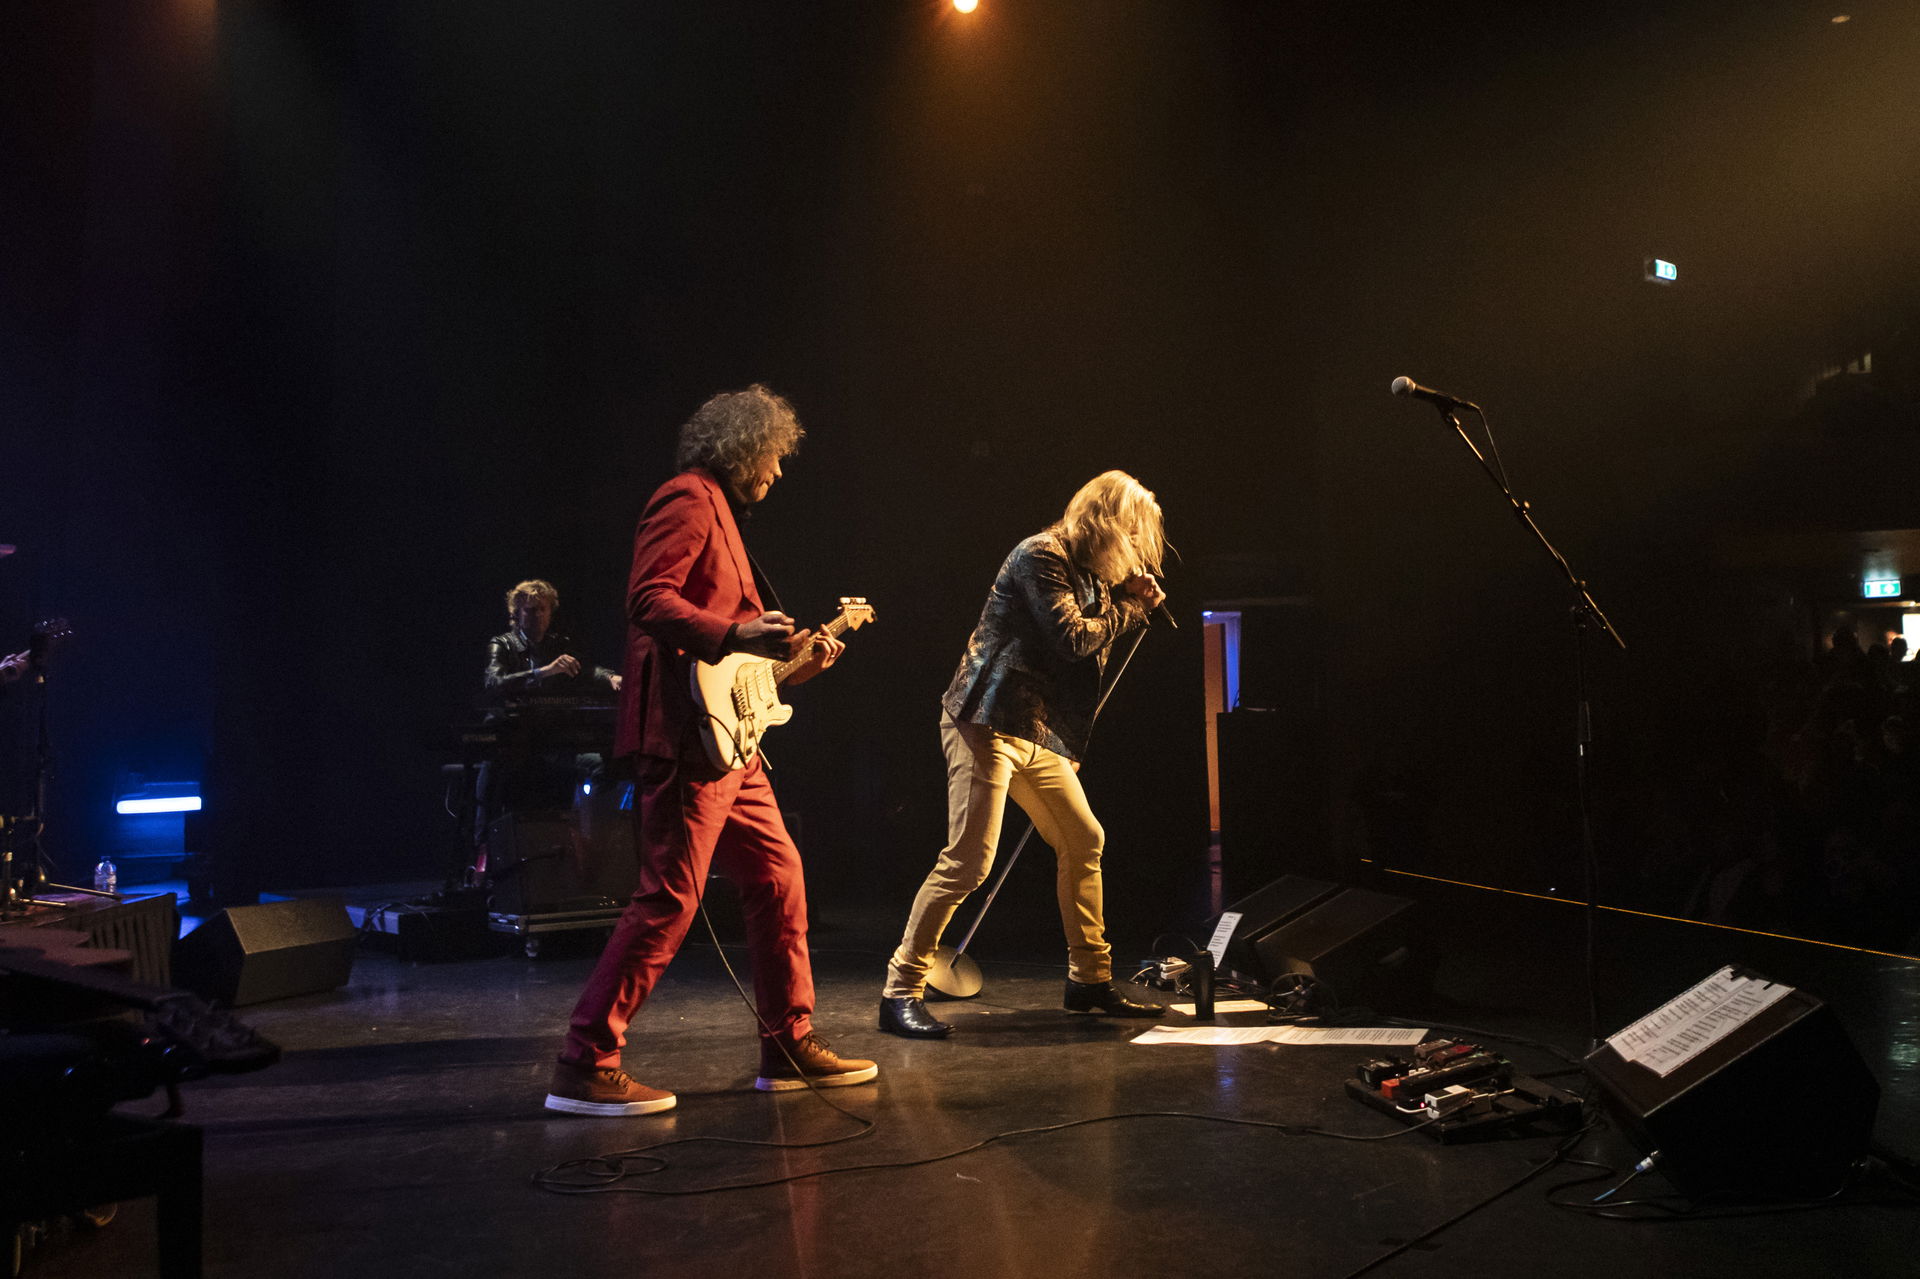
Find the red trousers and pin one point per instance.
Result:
(686, 820)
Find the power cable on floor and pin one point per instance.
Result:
(1558, 1157)
(1658, 1209)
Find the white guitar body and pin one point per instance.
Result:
(742, 699)
(740, 693)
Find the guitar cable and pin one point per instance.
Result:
(608, 1173)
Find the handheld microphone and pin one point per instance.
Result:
(1407, 386)
(1162, 609)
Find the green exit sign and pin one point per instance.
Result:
(1880, 588)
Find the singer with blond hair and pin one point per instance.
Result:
(1015, 721)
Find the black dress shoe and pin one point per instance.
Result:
(908, 1016)
(1105, 997)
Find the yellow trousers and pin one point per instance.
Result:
(983, 768)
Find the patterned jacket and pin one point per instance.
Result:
(1033, 663)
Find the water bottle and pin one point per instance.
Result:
(106, 877)
(1200, 976)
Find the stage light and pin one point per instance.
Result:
(158, 797)
(165, 804)
(966, 6)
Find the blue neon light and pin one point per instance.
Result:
(171, 804)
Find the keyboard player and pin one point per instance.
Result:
(532, 657)
(551, 702)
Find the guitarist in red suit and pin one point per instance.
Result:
(692, 595)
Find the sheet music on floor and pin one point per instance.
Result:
(1690, 1023)
(1372, 1036)
(1223, 1006)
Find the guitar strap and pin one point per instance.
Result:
(760, 582)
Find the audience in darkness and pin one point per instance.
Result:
(1829, 846)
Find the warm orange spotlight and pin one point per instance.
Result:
(966, 6)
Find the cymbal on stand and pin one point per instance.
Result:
(954, 974)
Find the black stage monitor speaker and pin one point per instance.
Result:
(275, 950)
(1779, 1106)
(1354, 941)
(1356, 944)
(1265, 910)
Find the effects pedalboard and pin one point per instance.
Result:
(1461, 1092)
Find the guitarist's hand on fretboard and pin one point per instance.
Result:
(738, 697)
(821, 651)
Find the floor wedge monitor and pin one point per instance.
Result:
(1747, 1089)
(1356, 947)
(1261, 912)
(275, 950)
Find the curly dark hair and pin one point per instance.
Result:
(732, 432)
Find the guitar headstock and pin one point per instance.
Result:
(855, 612)
(48, 636)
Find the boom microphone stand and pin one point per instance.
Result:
(47, 636)
(22, 880)
(954, 973)
(1586, 615)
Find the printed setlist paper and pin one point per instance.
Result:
(1222, 934)
(1684, 1027)
(1372, 1036)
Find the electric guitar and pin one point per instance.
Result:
(740, 693)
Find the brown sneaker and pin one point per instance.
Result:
(579, 1089)
(818, 1065)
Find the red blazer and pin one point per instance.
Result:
(690, 582)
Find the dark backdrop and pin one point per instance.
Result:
(328, 322)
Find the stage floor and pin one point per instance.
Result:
(401, 1132)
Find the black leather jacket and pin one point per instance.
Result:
(1033, 663)
(511, 662)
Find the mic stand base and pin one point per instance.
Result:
(954, 974)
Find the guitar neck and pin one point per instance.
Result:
(836, 628)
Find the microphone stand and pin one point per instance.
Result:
(954, 974)
(35, 823)
(1586, 616)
